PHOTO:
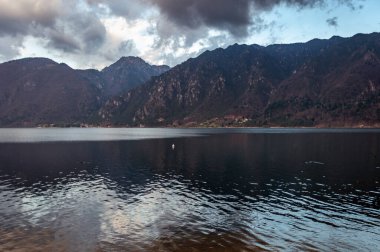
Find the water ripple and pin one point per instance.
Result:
(193, 199)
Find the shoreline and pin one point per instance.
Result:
(196, 127)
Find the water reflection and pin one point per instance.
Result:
(234, 192)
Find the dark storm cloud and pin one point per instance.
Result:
(234, 16)
(225, 14)
(89, 30)
(332, 21)
(63, 42)
(11, 27)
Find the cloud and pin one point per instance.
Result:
(183, 24)
(174, 50)
(126, 47)
(234, 16)
(161, 31)
(332, 21)
(63, 42)
(88, 29)
(62, 26)
(9, 47)
(18, 16)
(353, 5)
(130, 9)
(226, 15)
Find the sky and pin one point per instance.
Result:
(96, 33)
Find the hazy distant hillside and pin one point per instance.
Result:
(321, 82)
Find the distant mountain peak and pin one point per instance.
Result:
(129, 72)
(34, 60)
(132, 60)
(126, 61)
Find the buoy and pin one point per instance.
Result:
(173, 146)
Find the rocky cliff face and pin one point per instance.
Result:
(339, 86)
(321, 82)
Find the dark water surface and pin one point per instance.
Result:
(218, 190)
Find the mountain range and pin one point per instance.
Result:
(334, 82)
(331, 83)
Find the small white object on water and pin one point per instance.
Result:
(173, 146)
(314, 162)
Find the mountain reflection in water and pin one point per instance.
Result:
(219, 192)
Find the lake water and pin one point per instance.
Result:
(217, 190)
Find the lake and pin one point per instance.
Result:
(216, 190)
